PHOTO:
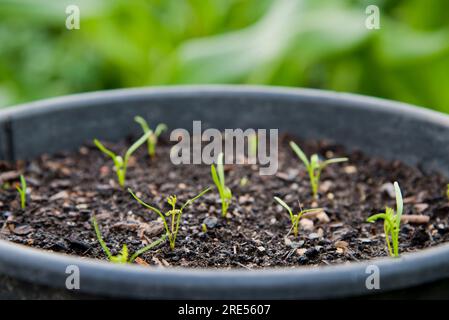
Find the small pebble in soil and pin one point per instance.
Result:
(313, 236)
(6, 214)
(312, 253)
(210, 222)
(388, 188)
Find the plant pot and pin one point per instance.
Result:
(378, 127)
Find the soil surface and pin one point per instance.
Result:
(65, 190)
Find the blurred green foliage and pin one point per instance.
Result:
(307, 43)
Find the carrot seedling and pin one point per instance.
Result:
(172, 217)
(121, 163)
(22, 189)
(154, 135)
(219, 179)
(294, 218)
(123, 256)
(392, 222)
(253, 145)
(314, 166)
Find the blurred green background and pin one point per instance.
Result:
(310, 43)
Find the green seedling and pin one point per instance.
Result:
(121, 163)
(123, 256)
(314, 166)
(243, 181)
(171, 226)
(392, 222)
(294, 218)
(204, 228)
(22, 189)
(447, 192)
(253, 144)
(6, 186)
(219, 180)
(153, 137)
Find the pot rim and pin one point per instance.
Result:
(65, 101)
(15, 259)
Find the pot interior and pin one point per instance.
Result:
(377, 127)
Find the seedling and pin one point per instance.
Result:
(204, 228)
(22, 189)
(219, 180)
(123, 256)
(314, 166)
(152, 139)
(253, 144)
(447, 192)
(171, 226)
(121, 163)
(294, 218)
(392, 222)
(243, 181)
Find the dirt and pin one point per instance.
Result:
(66, 189)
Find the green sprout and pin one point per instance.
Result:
(203, 228)
(123, 256)
(153, 137)
(447, 191)
(314, 166)
(243, 181)
(253, 144)
(171, 227)
(6, 186)
(22, 189)
(121, 163)
(219, 180)
(294, 218)
(392, 222)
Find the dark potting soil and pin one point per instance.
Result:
(65, 190)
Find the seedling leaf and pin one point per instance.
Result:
(219, 179)
(399, 203)
(153, 136)
(392, 223)
(148, 247)
(122, 257)
(136, 145)
(300, 153)
(314, 166)
(104, 149)
(376, 217)
(190, 201)
(22, 189)
(120, 163)
(295, 218)
(282, 203)
(100, 238)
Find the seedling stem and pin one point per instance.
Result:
(219, 179)
(22, 189)
(392, 223)
(121, 163)
(154, 136)
(122, 257)
(314, 166)
(294, 218)
(174, 214)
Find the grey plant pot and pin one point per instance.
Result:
(378, 127)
